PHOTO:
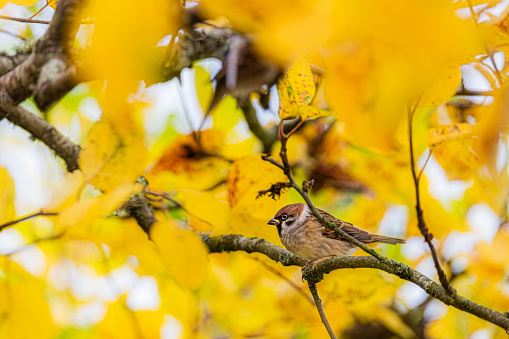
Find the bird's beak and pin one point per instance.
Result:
(273, 221)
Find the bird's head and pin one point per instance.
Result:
(290, 216)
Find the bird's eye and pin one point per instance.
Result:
(284, 216)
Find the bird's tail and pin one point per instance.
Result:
(388, 240)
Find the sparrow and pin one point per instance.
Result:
(302, 234)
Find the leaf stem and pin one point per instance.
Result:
(488, 51)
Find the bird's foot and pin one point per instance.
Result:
(313, 265)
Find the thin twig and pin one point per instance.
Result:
(424, 166)
(282, 276)
(267, 136)
(295, 129)
(166, 196)
(22, 38)
(45, 132)
(421, 224)
(318, 303)
(267, 157)
(288, 172)
(30, 21)
(488, 51)
(469, 92)
(275, 190)
(35, 21)
(30, 216)
(40, 10)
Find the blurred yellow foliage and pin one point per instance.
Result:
(25, 311)
(181, 249)
(124, 41)
(25, 3)
(7, 212)
(115, 153)
(367, 64)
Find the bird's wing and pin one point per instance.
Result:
(360, 235)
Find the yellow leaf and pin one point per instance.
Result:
(7, 212)
(466, 3)
(311, 112)
(301, 79)
(443, 89)
(438, 136)
(372, 112)
(53, 3)
(249, 215)
(139, 324)
(86, 212)
(491, 124)
(129, 57)
(296, 89)
(288, 108)
(456, 150)
(205, 209)
(226, 114)
(183, 164)
(183, 252)
(25, 311)
(248, 175)
(203, 86)
(457, 159)
(26, 3)
(114, 154)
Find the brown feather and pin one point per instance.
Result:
(358, 234)
(293, 209)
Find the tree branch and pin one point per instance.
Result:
(56, 79)
(233, 242)
(143, 215)
(421, 224)
(267, 137)
(29, 21)
(35, 21)
(230, 243)
(319, 307)
(8, 62)
(30, 216)
(17, 84)
(45, 132)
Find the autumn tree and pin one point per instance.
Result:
(145, 145)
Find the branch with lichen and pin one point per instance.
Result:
(230, 243)
(233, 242)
